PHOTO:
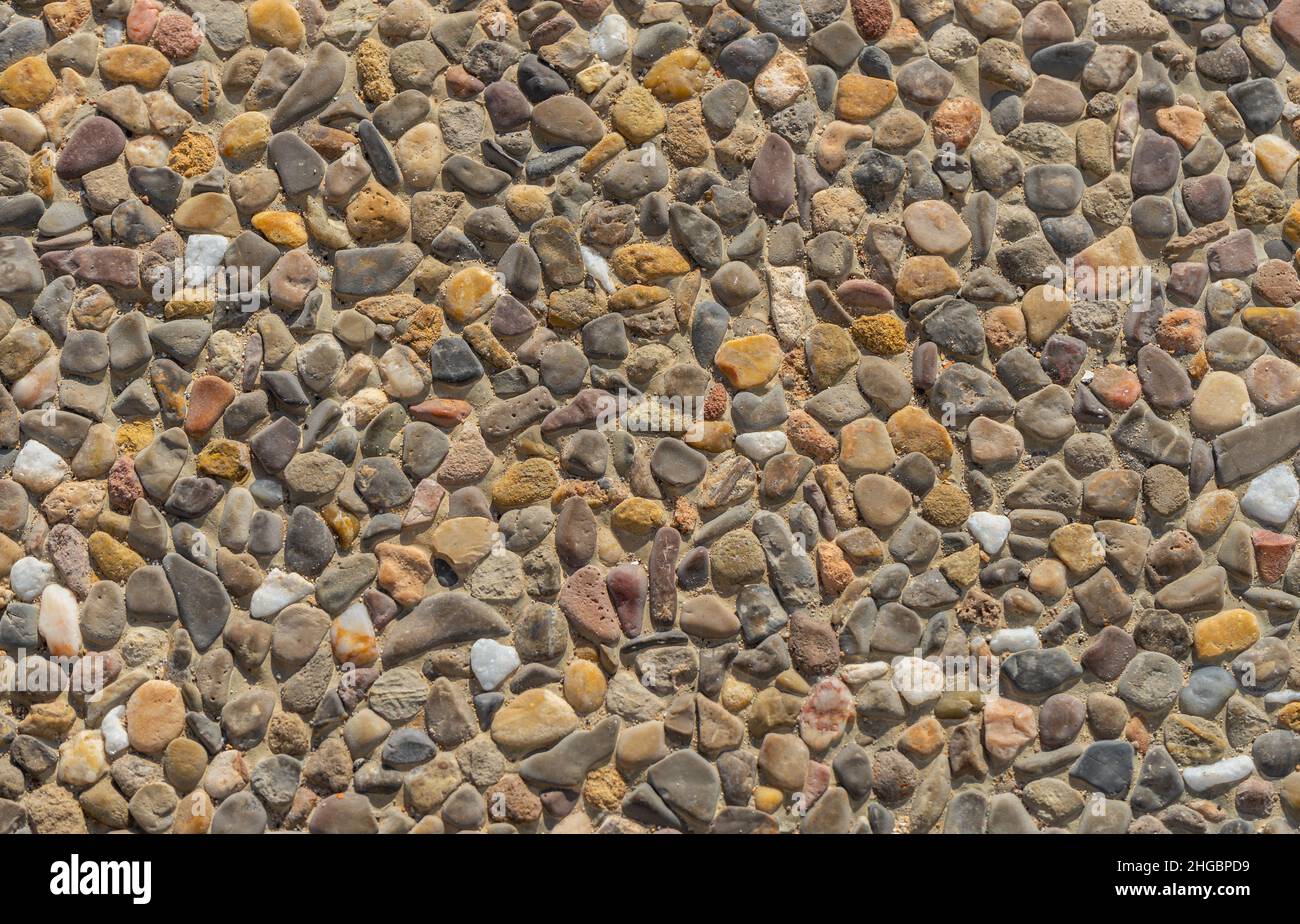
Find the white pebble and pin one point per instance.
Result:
(761, 446)
(39, 468)
(1005, 641)
(82, 760)
(1272, 497)
(989, 529)
(917, 680)
(352, 636)
(29, 577)
(114, 730)
(280, 589)
(149, 151)
(492, 662)
(58, 622)
(609, 39)
(787, 288)
(1224, 773)
(203, 253)
(597, 266)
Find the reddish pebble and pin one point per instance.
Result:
(461, 83)
(1181, 331)
(142, 20)
(444, 412)
(1272, 554)
(865, 294)
(872, 17)
(715, 402)
(1286, 23)
(124, 487)
(209, 397)
(627, 586)
(177, 36)
(424, 503)
(955, 122)
(809, 437)
(585, 602)
(835, 573)
(1278, 283)
(816, 782)
(825, 713)
(1117, 387)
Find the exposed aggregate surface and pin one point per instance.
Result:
(792, 415)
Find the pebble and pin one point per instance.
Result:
(642, 320)
(1207, 692)
(492, 662)
(1272, 496)
(990, 530)
(1221, 773)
